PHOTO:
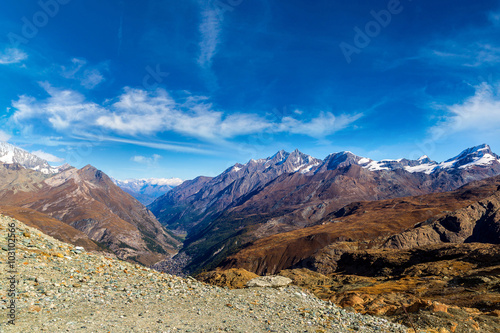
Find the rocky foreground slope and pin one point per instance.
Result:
(60, 288)
(440, 288)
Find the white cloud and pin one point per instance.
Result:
(91, 78)
(88, 76)
(323, 125)
(77, 64)
(12, 56)
(138, 112)
(63, 108)
(47, 156)
(146, 160)
(210, 28)
(478, 114)
(4, 136)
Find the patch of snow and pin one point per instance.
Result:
(375, 166)
(219, 250)
(425, 168)
(487, 159)
(309, 167)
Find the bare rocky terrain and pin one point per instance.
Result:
(61, 288)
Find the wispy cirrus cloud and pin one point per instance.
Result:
(453, 53)
(4, 136)
(141, 112)
(478, 115)
(168, 146)
(12, 56)
(88, 76)
(210, 29)
(323, 125)
(47, 156)
(137, 112)
(146, 160)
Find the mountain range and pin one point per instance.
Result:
(254, 215)
(289, 191)
(82, 206)
(147, 190)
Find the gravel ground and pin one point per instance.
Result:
(62, 289)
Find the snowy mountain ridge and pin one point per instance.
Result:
(297, 161)
(10, 154)
(146, 190)
(471, 157)
(150, 181)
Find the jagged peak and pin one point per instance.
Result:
(89, 167)
(479, 150)
(10, 154)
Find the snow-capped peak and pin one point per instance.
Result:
(10, 154)
(423, 157)
(475, 156)
(281, 162)
(296, 161)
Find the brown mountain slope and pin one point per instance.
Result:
(455, 287)
(197, 201)
(356, 226)
(270, 200)
(478, 222)
(15, 178)
(89, 201)
(50, 226)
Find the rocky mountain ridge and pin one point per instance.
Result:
(10, 154)
(289, 191)
(93, 209)
(468, 214)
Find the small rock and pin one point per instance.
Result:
(273, 281)
(438, 307)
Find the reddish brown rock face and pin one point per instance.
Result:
(292, 191)
(395, 223)
(90, 204)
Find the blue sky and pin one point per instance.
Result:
(188, 88)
